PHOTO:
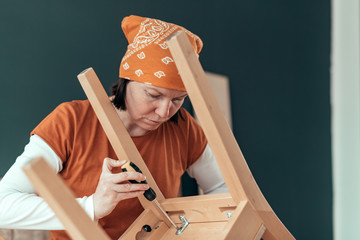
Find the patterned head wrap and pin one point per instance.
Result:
(148, 59)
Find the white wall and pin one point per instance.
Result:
(345, 98)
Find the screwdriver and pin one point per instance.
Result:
(149, 194)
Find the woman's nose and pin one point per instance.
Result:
(163, 109)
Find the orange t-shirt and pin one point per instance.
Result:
(73, 131)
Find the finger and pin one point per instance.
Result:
(128, 187)
(128, 195)
(126, 176)
(109, 164)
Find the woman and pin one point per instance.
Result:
(148, 99)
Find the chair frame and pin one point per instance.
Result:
(243, 213)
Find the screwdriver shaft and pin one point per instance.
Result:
(165, 213)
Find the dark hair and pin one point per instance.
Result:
(118, 89)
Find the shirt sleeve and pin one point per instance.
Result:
(20, 206)
(57, 129)
(207, 173)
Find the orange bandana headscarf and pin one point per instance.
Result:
(148, 59)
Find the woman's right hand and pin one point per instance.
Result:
(114, 187)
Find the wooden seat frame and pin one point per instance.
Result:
(243, 213)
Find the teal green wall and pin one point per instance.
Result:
(276, 54)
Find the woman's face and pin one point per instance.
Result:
(149, 106)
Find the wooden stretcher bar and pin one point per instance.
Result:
(204, 208)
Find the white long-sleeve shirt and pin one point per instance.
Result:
(22, 208)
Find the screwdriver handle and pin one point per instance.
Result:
(131, 167)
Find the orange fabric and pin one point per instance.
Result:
(148, 58)
(74, 133)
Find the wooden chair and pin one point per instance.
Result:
(243, 213)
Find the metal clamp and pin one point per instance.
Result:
(184, 224)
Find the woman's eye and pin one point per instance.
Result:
(177, 99)
(153, 96)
